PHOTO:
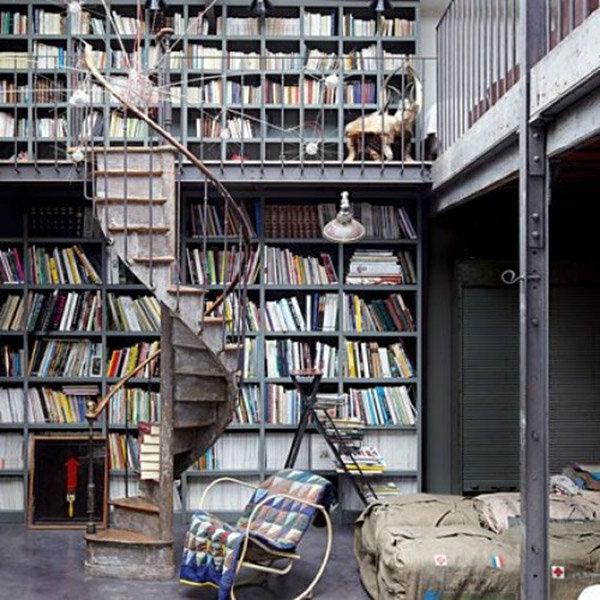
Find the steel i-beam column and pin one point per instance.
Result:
(534, 323)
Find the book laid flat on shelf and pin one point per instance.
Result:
(149, 440)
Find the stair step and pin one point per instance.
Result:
(129, 173)
(145, 260)
(125, 537)
(213, 320)
(200, 373)
(131, 200)
(185, 289)
(143, 229)
(135, 503)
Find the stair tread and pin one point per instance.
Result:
(199, 373)
(140, 228)
(135, 502)
(156, 259)
(211, 319)
(130, 200)
(122, 172)
(185, 289)
(125, 536)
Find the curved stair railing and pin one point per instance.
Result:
(135, 200)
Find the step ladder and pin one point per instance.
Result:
(307, 384)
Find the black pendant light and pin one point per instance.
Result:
(380, 6)
(260, 8)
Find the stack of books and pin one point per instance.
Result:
(374, 267)
(362, 460)
(149, 439)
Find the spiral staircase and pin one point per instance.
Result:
(135, 198)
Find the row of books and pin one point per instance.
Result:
(12, 409)
(12, 497)
(50, 405)
(149, 447)
(306, 221)
(65, 358)
(124, 360)
(11, 361)
(233, 451)
(285, 355)
(247, 409)
(381, 267)
(123, 450)
(13, 93)
(220, 266)
(133, 314)
(284, 267)
(49, 57)
(216, 221)
(369, 359)
(63, 311)
(379, 314)
(291, 221)
(394, 27)
(133, 404)
(13, 23)
(11, 451)
(319, 313)
(67, 265)
(382, 405)
(11, 265)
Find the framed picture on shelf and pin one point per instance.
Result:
(58, 481)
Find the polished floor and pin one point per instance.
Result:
(48, 565)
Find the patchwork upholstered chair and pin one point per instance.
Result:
(264, 539)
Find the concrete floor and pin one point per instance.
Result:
(48, 565)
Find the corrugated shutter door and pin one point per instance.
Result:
(574, 376)
(490, 383)
(490, 388)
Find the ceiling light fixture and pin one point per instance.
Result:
(260, 8)
(344, 228)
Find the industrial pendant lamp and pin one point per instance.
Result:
(380, 6)
(344, 228)
(260, 8)
(155, 5)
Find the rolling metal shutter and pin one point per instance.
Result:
(489, 387)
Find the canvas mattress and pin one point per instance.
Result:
(435, 547)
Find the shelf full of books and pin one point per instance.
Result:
(68, 333)
(351, 312)
(293, 79)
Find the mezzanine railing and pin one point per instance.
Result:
(224, 114)
(478, 58)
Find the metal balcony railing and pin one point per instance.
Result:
(323, 110)
(478, 58)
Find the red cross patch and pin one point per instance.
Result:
(440, 560)
(558, 572)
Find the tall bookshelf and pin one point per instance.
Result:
(59, 338)
(274, 91)
(306, 309)
(279, 89)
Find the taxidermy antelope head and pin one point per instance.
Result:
(373, 135)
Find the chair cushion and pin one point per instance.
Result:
(281, 522)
